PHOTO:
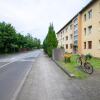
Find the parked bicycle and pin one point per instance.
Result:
(86, 66)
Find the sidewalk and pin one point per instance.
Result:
(47, 81)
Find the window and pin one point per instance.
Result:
(66, 29)
(99, 43)
(75, 32)
(71, 36)
(85, 31)
(90, 29)
(85, 17)
(71, 46)
(89, 44)
(99, 23)
(76, 27)
(61, 35)
(70, 26)
(76, 37)
(90, 14)
(66, 46)
(75, 21)
(84, 45)
(66, 37)
(75, 42)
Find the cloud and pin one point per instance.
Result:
(34, 16)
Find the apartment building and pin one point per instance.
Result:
(91, 29)
(65, 37)
(84, 35)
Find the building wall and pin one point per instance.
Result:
(75, 34)
(90, 25)
(59, 38)
(94, 36)
(79, 33)
(69, 41)
(62, 38)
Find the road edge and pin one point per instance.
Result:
(63, 69)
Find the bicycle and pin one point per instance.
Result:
(86, 66)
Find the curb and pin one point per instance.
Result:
(63, 69)
(21, 84)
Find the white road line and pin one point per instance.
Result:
(14, 97)
(6, 64)
(13, 58)
(15, 61)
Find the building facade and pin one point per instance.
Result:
(82, 33)
(91, 29)
(65, 37)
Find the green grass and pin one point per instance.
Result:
(95, 63)
(73, 66)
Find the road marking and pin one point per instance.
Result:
(27, 60)
(15, 61)
(14, 97)
(13, 58)
(6, 64)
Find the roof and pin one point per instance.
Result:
(89, 4)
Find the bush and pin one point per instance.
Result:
(67, 57)
(88, 56)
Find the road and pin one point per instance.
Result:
(46, 81)
(12, 71)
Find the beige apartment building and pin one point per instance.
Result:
(65, 37)
(82, 33)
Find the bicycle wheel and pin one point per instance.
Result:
(78, 61)
(88, 68)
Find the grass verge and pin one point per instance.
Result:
(74, 69)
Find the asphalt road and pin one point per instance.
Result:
(46, 81)
(12, 71)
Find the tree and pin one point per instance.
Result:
(7, 36)
(50, 41)
(21, 40)
(11, 41)
(37, 43)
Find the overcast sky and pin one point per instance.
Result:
(34, 16)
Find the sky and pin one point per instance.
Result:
(35, 16)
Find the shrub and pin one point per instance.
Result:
(88, 56)
(67, 57)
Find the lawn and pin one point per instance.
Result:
(74, 69)
(95, 62)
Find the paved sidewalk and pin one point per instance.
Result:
(47, 81)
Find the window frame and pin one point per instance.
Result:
(89, 44)
(84, 45)
(85, 30)
(66, 37)
(90, 14)
(66, 46)
(71, 46)
(85, 17)
(71, 36)
(90, 29)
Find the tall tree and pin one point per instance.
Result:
(11, 41)
(7, 36)
(50, 41)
